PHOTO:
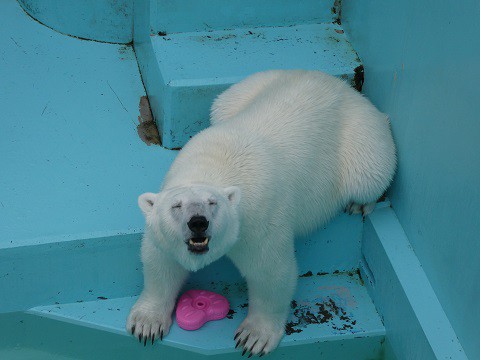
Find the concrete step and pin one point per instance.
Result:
(344, 318)
(184, 72)
(41, 274)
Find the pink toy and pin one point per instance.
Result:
(196, 307)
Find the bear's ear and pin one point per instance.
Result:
(146, 201)
(233, 194)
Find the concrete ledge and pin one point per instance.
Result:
(416, 325)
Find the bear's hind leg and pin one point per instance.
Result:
(364, 209)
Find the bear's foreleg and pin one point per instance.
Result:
(271, 273)
(151, 316)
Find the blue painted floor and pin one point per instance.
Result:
(72, 164)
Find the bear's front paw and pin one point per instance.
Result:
(258, 336)
(148, 321)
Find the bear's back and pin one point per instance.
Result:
(285, 137)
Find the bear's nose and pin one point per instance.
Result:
(198, 224)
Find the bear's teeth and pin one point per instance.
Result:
(203, 243)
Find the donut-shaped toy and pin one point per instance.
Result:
(196, 307)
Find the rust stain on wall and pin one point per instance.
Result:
(147, 129)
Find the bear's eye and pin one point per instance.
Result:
(212, 202)
(177, 205)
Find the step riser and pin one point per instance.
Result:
(83, 270)
(187, 112)
(186, 15)
(51, 336)
(186, 109)
(78, 270)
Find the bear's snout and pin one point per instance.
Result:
(198, 244)
(198, 224)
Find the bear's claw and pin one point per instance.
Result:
(364, 209)
(250, 350)
(258, 337)
(147, 324)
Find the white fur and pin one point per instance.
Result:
(297, 147)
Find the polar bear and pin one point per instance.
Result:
(286, 151)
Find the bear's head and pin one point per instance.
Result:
(197, 224)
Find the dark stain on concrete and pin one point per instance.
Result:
(322, 313)
(230, 314)
(358, 78)
(307, 274)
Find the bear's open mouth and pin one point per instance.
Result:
(198, 245)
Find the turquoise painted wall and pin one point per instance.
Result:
(422, 66)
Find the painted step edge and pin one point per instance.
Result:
(416, 325)
(49, 339)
